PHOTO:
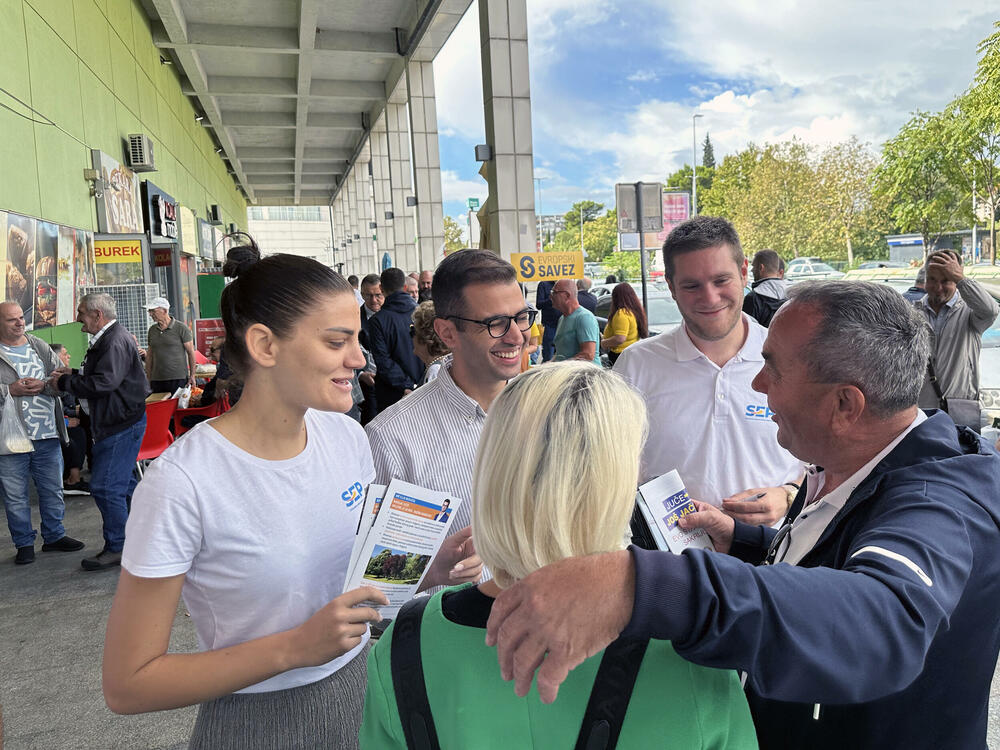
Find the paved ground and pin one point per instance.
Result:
(52, 618)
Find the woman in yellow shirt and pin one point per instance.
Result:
(626, 322)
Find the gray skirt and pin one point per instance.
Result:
(324, 715)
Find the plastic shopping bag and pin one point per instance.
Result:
(184, 398)
(13, 437)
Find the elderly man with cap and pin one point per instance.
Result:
(170, 359)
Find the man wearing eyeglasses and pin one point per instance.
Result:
(371, 293)
(430, 437)
(577, 333)
(878, 623)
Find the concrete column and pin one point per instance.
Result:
(403, 223)
(426, 162)
(366, 249)
(352, 218)
(379, 139)
(338, 234)
(503, 33)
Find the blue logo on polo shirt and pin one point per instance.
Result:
(352, 495)
(757, 411)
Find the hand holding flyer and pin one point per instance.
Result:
(663, 502)
(401, 529)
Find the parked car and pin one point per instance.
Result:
(882, 264)
(604, 290)
(812, 269)
(662, 314)
(989, 372)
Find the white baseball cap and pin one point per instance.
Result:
(158, 302)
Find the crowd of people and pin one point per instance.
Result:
(853, 580)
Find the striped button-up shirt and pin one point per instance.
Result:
(429, 438)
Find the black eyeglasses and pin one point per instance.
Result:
(498, 325)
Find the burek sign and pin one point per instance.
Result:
(547, 266)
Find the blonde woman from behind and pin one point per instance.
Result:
(555, 477)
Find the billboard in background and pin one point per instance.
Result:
(43, 264)
(119, 261)
(547, 266)
(189, 231)
(205, 240)
(119, 209)
(676, 209)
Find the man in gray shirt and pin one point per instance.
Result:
(170, 353)
(958, 310)
(430, 437)
(26, 362)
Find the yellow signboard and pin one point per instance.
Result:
(547, 266)
(118, 251)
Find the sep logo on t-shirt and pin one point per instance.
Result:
(352, 495)
(757, 411)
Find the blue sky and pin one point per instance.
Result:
(614, 84)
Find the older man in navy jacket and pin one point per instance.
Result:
(872, 618)
(112, 388)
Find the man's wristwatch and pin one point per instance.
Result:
(792, 489)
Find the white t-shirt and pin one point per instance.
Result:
(707, 422)
(264, 544)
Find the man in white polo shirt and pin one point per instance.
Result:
(706, 420)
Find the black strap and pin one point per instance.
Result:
(936, 385)
(609, 698)
(408, 678)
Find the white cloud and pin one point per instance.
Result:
(642, 76)
(453, 188)
(759, 70)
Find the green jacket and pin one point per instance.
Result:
(674, 704)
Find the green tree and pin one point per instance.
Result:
(914, 178)
(600, 235)
(682, 179)
(452, 236)
(843, 178)
(708, 153)
(731, 184)
(974, 133)
(590, 209)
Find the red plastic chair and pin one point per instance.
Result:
(212, 410)
(157, 437)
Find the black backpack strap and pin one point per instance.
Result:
(408, 678)
(609, 698)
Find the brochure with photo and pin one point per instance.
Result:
(401, 528)
(663, 502)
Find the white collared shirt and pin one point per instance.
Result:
(430, 438)
(810, 524)
(938, 319)
(707, 421)
(96, 336)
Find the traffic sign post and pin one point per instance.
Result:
(640, 209)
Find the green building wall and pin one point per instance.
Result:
(90, 67)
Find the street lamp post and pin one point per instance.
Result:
(694, 164)
(538, 187)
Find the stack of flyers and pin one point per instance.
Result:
(663, 502)
(401, 528)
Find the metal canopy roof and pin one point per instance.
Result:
(290, 87)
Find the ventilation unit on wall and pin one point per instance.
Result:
(140, 153)
(214, 214)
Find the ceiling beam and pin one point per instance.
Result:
(324, 43)
(308, 17)
(288, 88)
(176, 28)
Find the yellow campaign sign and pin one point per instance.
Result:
(547, 266)
(118, 251)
